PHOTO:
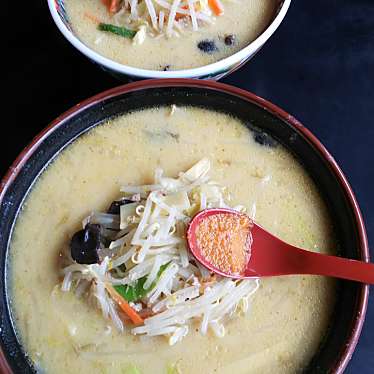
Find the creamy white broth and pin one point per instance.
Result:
(246, 19)
(288, 316)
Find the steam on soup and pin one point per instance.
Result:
(119, 293)
(168, 34)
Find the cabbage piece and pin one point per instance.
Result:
(126, 211)
(197, 171)
(179, 201)
(137, 291)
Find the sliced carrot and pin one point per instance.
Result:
(144, 314)
(114, 6)
(107, 3)
(111, 5)
(181, 15)
(216, 6)
(125, 307)
(92, 17)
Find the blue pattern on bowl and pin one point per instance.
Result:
(60, 7)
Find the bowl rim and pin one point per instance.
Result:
(217, 67)
(26, 153)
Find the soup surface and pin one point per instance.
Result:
(63, 334)
(243, 21)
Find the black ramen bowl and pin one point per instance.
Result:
(339, 343)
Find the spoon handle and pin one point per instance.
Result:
(272, 256)
(333, 266)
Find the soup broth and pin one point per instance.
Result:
(241, 23)
(61, 333)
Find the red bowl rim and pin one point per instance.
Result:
(361, 306)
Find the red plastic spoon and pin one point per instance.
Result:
(271, 256)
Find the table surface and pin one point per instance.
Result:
(319, 66)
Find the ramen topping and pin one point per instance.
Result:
(135, 261)
(224, 240)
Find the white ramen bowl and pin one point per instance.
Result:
(216, 70)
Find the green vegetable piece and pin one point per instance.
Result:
(173, 369)
(121, 31)
(131, 369)
(136, 292)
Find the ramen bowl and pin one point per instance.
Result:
(337, 343)
(215, 70)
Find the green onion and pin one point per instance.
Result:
(137, 291)
(121, 31)
(131, 369)
(172, 369)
